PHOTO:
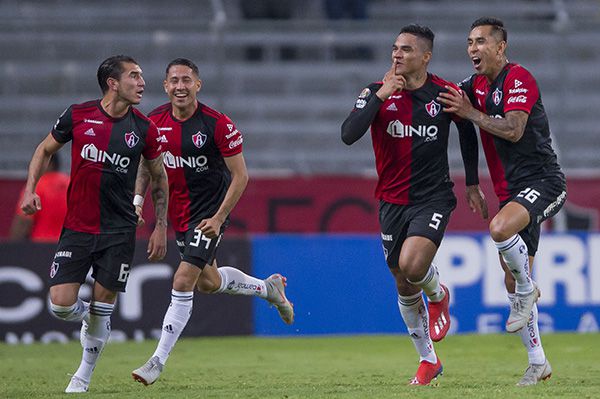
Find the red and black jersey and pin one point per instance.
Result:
(513, 165)
(194, 151)
(410, 140)
(105, 156)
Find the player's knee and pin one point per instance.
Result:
(207, 285)
(64, 312)
(412, 269)
(183, 282)
(499, 229)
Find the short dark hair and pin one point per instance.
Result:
(420, 31)
(112, 67)
(496, 24)
(185, 62)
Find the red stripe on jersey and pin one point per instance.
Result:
(179, 195)
(495, 166)
(83, 196)
(393, 156)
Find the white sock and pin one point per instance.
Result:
(415, 316)
(515, 254)
(176, 318)
(75, 312)
(430, 284)
(97, 335)
(530, 336)
(236, 282)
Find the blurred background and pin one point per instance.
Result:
(288, 72)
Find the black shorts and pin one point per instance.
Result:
(428, 219)
(197, 249)
(109, 255)
(542, 199)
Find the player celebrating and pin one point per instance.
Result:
(207, 176)
(503, 99)
(108, 137)
(410, 140)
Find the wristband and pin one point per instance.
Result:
(138, 200)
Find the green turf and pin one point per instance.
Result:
(367, 367)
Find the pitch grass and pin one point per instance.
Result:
(368, 367)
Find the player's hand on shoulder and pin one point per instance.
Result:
(210, 227)
(392, 83)
(31, 203)
(456, 101)
(476, 201)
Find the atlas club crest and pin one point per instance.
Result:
(199, 139)
(131, 139)
(433, 108)
(497, 96)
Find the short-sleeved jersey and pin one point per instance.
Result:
(513, 165)
(410, 141)
(105, 156)
(194, 152)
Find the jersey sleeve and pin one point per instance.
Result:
(364, 112)
(153, 146)
(227, 137)
(63, 128)
(467, 86)
(520, 90)
(455, 118)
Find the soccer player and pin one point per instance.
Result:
(409, 132)
(503, 99)
(108, 137)
(207, 176)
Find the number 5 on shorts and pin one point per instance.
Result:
(435, 220)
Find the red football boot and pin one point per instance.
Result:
(439, 317)
(427, 372)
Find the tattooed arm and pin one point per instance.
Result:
(154, 170)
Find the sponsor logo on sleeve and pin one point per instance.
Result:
(517, 99)
(236, 142)
(230, 135)
(365, 93)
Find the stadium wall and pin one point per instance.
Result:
(338, 283)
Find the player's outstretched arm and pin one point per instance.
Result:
(510, 128)
(470, 154)
(157, 246)
(239, 180)
(39, 162)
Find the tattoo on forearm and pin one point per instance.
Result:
(160, 190)
(143, 179)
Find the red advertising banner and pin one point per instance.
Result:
(342, 204)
